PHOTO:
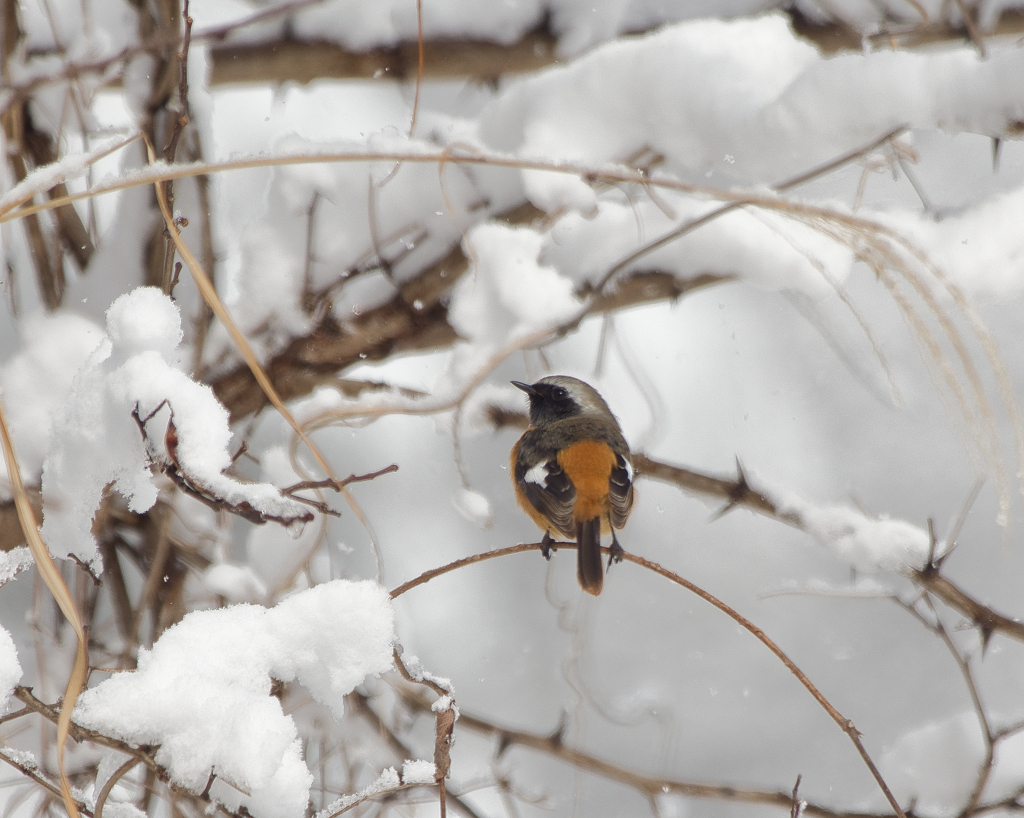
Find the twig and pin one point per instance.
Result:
(34, 775)
(554, 745)
(119, 773)
(337, 485)
(361, 704)
(144, 755)
(738, 492)
(845, 724)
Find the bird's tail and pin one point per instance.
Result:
(589, 570)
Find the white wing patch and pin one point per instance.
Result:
(538, 474)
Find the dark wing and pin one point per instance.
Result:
(620, 491)
(550, 491)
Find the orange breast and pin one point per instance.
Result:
(589, 465)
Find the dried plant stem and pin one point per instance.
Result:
(209, 294)
(51, 576)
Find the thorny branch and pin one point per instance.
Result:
(736, 492)
(845, 724)
(553, 745)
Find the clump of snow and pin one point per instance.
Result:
(96, 440)
(10, 669)
(415, 668)
(42, 179)
(122, 809)
(143, 321)
(13, 562)
(235, 583)
(638, 94)
(743, 101)
(419, 772)
(387, 780)
(23, 757)
(474, 506)
(203, 693)
(363, 25)
(35, 381)
(980, 248)
(444, 703)
(870, 544)
(759, 247)
(936, 764)
(507, 292)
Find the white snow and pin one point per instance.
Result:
(936, 763)
(870, 544)
(13, 562)
(35, 381)
(42, 179)
(203, 693)
(747, 100)
(10, 669)
(508, 292)
(474, 506)
(387, 780)
(418, 772)
(729, 107)
(236, 583)
(96, 441)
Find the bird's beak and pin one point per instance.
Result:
(529, 390)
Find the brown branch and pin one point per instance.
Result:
(72, 232)
(553, 745)
(845, 724)
(737, 492)
(33, 774)
(81, 734)
(119, 773)
(360, 703)
(297, 61)
(394, 327)
(338, 485)
(142, 754)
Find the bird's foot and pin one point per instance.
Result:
(615, 552)
(547, 545)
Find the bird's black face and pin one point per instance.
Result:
(548, 402)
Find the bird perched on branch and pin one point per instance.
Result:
(572, 473)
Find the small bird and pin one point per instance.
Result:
(572, 472)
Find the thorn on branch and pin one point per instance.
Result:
(739, 492)
(796, 810)
(557, 736)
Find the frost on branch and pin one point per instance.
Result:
(203, 693)
(881, 544)
(96, 439)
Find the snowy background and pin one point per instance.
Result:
(846, 331)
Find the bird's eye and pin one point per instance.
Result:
(558, 393)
